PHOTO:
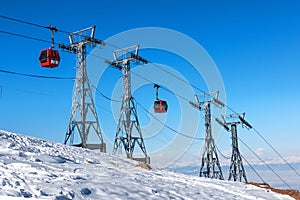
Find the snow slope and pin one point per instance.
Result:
(268, 176)
(33, 168)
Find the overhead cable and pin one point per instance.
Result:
(36, 76)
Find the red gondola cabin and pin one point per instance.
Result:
(160, 106)
(49, 58)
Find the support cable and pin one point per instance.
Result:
(36, 76)
(166, 71)
(263, 138)
(26, 91)
(33, 24)
(177, 77)
(106, 97)
(166, 89)
(265, 164)
(25, 36)
(226, 157)
(263, 181)
(23, 22)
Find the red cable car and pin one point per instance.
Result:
(160, 106)
(49, 58)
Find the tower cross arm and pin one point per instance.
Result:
(223, 123)
(139, 58)
(70, 48)
(244, 122)
(114, 64)
(195, 105)
(96, 41)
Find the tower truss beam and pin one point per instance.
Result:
(210, 165)
(236, 170)
(128, 123)
(83, 118)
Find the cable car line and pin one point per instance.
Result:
(48, 27)
(265, 163)
(62, 78)
(195, 87)
(256, 131)
(32, 24)
(41, 40)
(38, 25)
(25, 36)
(33, 38)
(22, 21)
(36, 76)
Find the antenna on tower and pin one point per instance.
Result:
(210, 165)
(236, 170)
(128, 120)
(83, 117)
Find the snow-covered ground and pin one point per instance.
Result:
(33, 168)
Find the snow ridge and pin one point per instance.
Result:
(37, 169)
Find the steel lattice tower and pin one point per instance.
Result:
(210, 165)
(83, 117)
(236, 170)
(128, 120)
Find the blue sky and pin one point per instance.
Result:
(254, 44)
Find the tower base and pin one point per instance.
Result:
(144, 160)
(102, 146)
